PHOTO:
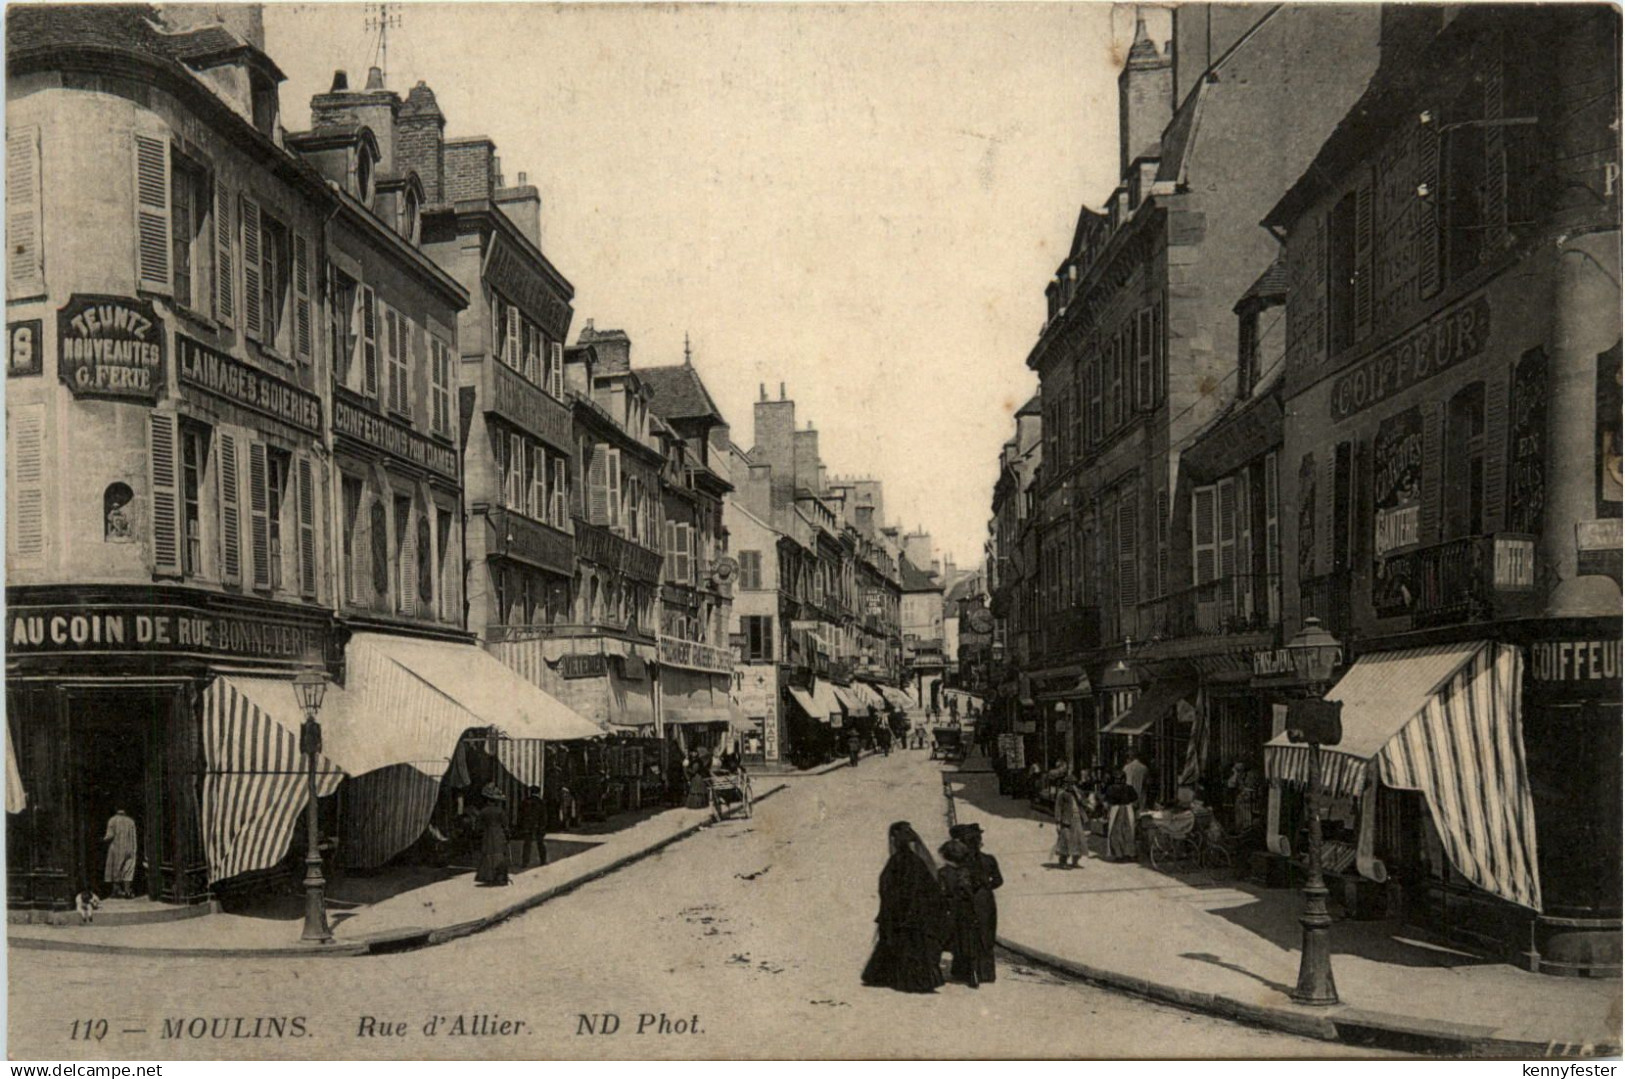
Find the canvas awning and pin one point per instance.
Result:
(819, 702)
(1071, 690)
(896, 696)
(1446, 721)
(854, 704)
(1153, 704)
(868, 696)
(691, 715)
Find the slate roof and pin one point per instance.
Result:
(1271, 285)
(1033, 407)
(127, 27)
(915, 579)
(679, 394)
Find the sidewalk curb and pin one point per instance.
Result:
(1346, 1023)
(382, 943)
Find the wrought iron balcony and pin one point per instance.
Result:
(1241, 603)
(1469, 579)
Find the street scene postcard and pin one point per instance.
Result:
(817, 531)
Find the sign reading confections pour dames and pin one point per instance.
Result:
(110, 346)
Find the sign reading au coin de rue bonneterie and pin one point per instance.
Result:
(110, 346)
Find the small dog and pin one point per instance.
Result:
(87, 904)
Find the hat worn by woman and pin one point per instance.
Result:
(493, 793)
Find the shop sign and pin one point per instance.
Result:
(586, 665)
(1013, 749)
(119, 629)
(1279, 663)
(529, 541)
(676, 652)
(1526, 444)
(1444, 341)
(1397, 480)
(1574, 661)
(27, 347)
(754, 690)
(1514, 563)
(230, 379)
(515, 399)
(395, 439)
(511, 274)
(110, 346)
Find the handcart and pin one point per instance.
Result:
(948, 744)
(730, 795)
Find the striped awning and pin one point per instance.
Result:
(868, 696)
(1445, 721)
(850, 701)
(819, 702)
(385, 811)
(1151, 706)
(255, 783)
(896, 696)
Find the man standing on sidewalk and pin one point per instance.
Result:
(532, 827)
(983, 870)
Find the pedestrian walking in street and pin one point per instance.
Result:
(1134, 774)
(913, 919)
(532, 827)
(1120, 819)
(964, 933)
(119, 871)
(854, 746)
(699, 770)
(883, 739)
(1071, 839)
(493, 818)
(983, 870)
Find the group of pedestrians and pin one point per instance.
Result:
(925, 911)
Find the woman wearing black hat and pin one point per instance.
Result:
(913, 919)
(964, 936)
(493, 818)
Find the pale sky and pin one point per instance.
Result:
(863, 202)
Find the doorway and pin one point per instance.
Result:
(114, 753)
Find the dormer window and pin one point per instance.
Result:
(409, 217)
(264, 103)
(363, 176)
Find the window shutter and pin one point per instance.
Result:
(406, 590)
(369, 341)
(516, 472)
(25, 478)
(25, 242)
(163, 474)
(352, 554)
(555, 363)
(1326, 527)
(561, 483)
(1204, 537)
(301, 297)
(1320, 341)
(224, 283)
(152, 214)
(307, 529)
(253, 315)
(511, 349)
(538, 483)
(449, 567)
(425, 565)
(1428, 209)
(1495, 165)
(378, 529)
(683, 573)
(231, 511)
(259, 513)
(1495, 459)
(1128, 585)
(1364, 268)
(1227, 528)
(613, 486)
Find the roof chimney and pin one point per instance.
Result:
(341, 81)
(781, 391)
(375, 78)
(761, 388)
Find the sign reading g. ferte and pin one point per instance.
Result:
(110, 346)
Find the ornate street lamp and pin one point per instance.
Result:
(1315, 655)
(310, 686)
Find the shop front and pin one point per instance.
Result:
(106, 709)
(693, 685)
(1476, 784)
(817, 722)
(1156, 726)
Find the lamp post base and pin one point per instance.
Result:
(1315, 983)
(316, 931)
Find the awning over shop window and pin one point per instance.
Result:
(741, 722)
(1069, 689)
(16, 797)
(691, 716)
(1446, 721)
(850, 701)
(819, 702)
(897, 696)
(868, 696)
(1153, 704)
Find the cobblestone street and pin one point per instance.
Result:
(758, 928)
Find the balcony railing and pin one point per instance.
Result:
(1242, 603)
(1470, 579)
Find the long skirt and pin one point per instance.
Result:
(1120, 833)
(697, 796)
(493, 867)
(975, 934)
(906, 960)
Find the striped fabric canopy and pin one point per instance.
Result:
(16, 796)
(254, 781)
(1450, 727)
(524, 758)
(385, 811)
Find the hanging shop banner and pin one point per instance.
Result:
(1526, 444)
(219, 375)
(26, 353)
(110, 346)
(1397, 480)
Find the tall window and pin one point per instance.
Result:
(757, 629)
(538, 483)
(750, 570)
(189, 207)
(1463, 209)
(344, 329)
(439, 386)
(1464, 464)
(275, 279)
(276, 491)
(1144, 379)
(352, 564)
(397, 346)
(194, 462)
(1341, 266)
(405, 584)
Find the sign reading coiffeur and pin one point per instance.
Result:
(110, 346)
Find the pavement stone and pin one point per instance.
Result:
(1231, 948)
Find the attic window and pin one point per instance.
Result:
(409, 217)
(265, 104)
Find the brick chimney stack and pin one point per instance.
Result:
(1145, 99)
(420, 141)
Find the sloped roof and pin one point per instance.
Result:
(966, 587)
(679, 394)
(1271, 285)
(1033, 407)
(916, 579)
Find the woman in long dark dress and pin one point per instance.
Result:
(912, 921)
(972, 955)
(493, 818)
